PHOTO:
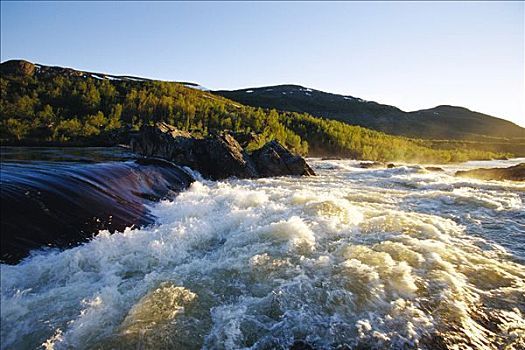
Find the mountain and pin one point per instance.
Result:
(442, 122)
(26, 68)
(44, 105)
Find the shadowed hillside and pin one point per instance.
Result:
(442, 122)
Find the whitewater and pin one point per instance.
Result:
(399, 258)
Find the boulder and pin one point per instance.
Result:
(273, 159)
(221, 156)
(514, 173)
(217, 156)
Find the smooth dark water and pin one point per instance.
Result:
(61, 197)
(66, 154)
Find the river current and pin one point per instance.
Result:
(400, 258)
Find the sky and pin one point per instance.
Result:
(413, 55)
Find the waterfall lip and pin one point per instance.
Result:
(62, 204)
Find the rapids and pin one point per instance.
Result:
(396, 258)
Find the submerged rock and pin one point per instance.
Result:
(434, 168)
(374, 165)
(371, 165)
(217, 156)
(514, 173)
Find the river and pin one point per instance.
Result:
(399, 258)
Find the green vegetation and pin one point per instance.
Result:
(442, 122)
(78, 109)
(330, 137)
(515, 146)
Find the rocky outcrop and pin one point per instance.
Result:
(217, 156)
(514, 173)
(17, 67)
(25, 68)
(275, 160)
(245, 138)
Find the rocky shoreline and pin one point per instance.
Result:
(513, 173)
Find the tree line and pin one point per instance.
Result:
(83, 110)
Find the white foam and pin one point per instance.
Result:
(352, 256)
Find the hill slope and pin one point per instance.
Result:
(43, 105)
(442, 122)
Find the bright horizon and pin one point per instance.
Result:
(410, 55)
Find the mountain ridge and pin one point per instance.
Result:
(346, 108)
(24, 67)
(46, 105)
(455, 122)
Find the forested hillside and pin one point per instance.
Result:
(43, 105)
(442, 122)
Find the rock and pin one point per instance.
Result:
(433, 168)
(164, 141)
(221, 156)
(244, 138)
(217, 156)
(275, 160)
(367, 165)
(374, 165)
(22, 67)
(331, 158)
(17, 67)
(514, 173)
